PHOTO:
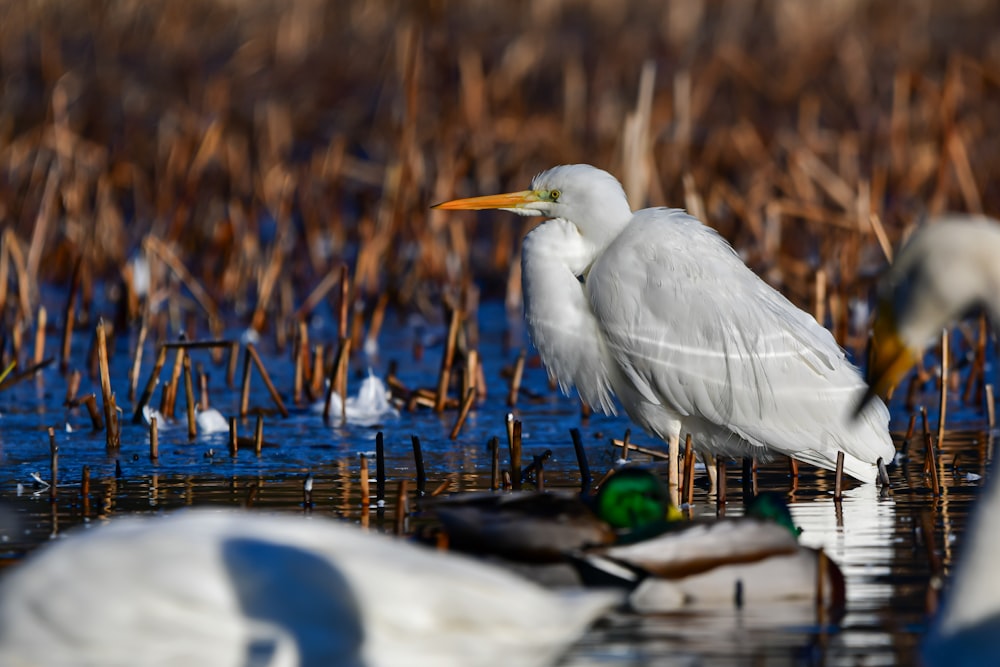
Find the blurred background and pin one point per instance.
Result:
(265, 143)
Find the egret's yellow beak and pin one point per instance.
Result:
(511, 200)
(889, 358)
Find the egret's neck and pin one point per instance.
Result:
(557, 245)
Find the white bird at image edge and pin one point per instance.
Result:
(230, 589)
(657, 309)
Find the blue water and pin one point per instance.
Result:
(874, 539)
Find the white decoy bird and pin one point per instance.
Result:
(967, 632)
(948, 266)
(236, 589)
(658, 309)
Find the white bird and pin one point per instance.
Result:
(211, 421)
(967, 632)
(372, 405)
(658, 309)
(229, 589)
(946, 268)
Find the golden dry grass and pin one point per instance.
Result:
(259, 145)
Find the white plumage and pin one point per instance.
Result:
(947, 267)
(656, 308)
(235, 589)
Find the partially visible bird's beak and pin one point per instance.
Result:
(510, 200)
(889, 358)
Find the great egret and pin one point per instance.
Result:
(228, 588)
(947, 267)
(658, 309)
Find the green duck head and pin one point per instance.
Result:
(772, 506)
(635, 498)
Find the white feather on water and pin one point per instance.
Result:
(211, 421)
(370, 406)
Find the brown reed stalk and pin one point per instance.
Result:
(245, 384)
(53, 465)
(154, 378)
(418, 461)
(25, 282)
(447, 359)
(926, 435)
(943, 401)
(581, 460)
(340, 374)
(673, 467)
(258, 435)
(154, 246)
(463, 413)
(72, 387)
(300, 354)
(170, 390)
(990, 407)
(316, 382)
(377, 320)
(110, 409)
(445, 484)
(203, 401)
(189, 398)
(96, 418)
(234, 441)
(69, 314)
(85, 490)
(266, 377)
(494, 447)
(234, 355)
(319, 293)
(4, 271)
(338, 380)
(822, 567)
(515, 380)
(539, 469)
(515, 455)
(154, 441)
(908, 436)
(931, 458)
(41, 323)
(838, 489)
(688, 471)
(380, 469)
(135, 369)
(974, 381)
(469, 375)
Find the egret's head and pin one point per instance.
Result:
(590, 198)
(635, 499)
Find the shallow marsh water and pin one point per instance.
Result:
(878, 541)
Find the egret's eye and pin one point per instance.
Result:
(554, 195)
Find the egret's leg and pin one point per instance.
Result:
(674, 451)
(709, 461)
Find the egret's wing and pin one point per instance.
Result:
(695, 330)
